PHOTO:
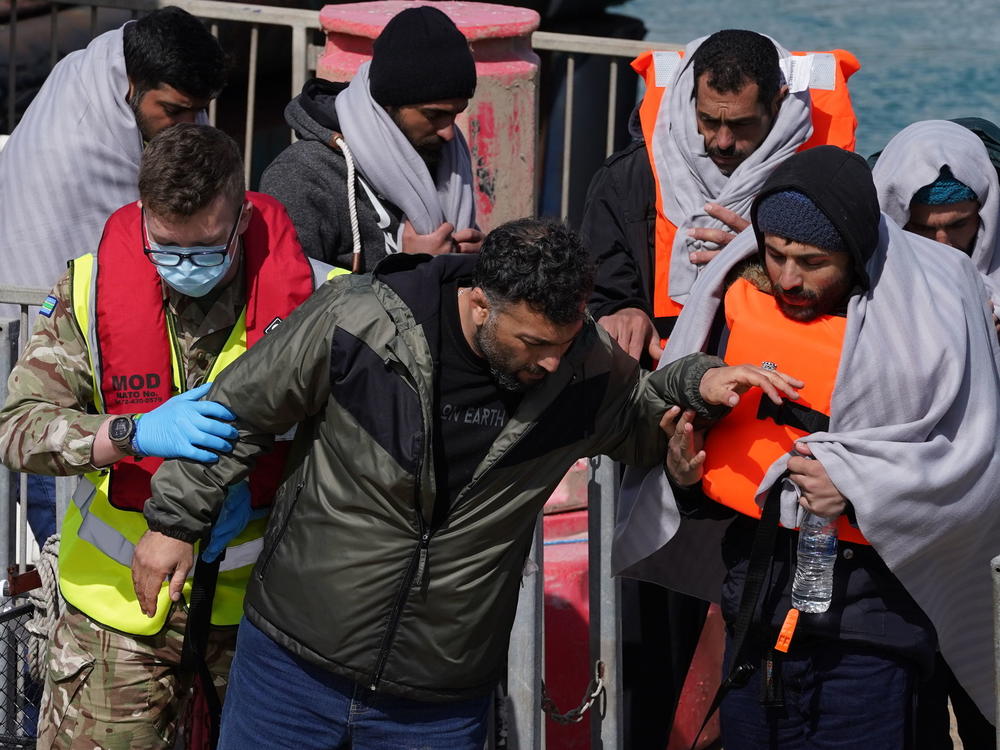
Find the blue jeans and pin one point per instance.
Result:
(277, 700)
(41, 505)
(835, 697)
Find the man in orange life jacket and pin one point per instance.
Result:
(109, 384)
(747, 121)
(818, 288)
(711, 128)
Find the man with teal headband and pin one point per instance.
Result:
(935, 179)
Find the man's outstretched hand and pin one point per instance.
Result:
(159, 557)
(724, 385)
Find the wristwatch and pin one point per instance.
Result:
(121, 432)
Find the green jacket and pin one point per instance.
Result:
(353, 575)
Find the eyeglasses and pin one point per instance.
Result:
(173, 255)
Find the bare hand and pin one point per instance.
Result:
(685, 457)
(437, 242)
(819, 494)
(467, 240)
(718, 236)
(723, 385)
(634, 332)
(159, 557)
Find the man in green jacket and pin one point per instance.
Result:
(437, 403)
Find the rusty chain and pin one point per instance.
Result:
(595, 691)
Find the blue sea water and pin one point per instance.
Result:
(921, 59)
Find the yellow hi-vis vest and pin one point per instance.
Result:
(98, 540)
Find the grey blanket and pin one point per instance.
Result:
(690, 178)
(394, 168)
(914, 158)
(912, 443)
(69, 164)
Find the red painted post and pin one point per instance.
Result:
(501, 121)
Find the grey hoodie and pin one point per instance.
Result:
(310, 178)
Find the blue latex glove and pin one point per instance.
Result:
(184, 427)
(235, 515)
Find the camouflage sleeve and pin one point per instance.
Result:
(45, 427)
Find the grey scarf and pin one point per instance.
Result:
(70, 163)
(913, 425)
(914, 158)
(690, 178)
(394, 168)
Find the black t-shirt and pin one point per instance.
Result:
(471, 408)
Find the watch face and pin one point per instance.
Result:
(120, 428)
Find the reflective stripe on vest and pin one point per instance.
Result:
(742, 447)
(115, 545)
(98, 540)
(833, 120)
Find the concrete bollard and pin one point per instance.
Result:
(501, 121)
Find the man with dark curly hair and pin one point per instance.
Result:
(437, 403)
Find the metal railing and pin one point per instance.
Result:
(616, 52)
(304, 24)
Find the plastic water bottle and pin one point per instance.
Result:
(817, 552)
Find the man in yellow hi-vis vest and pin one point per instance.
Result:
(184, 280)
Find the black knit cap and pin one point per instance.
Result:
(419, 57)
(840, 185)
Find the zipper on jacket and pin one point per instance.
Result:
(261, 567)
(414, 576)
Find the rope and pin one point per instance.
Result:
(352, 204)
(48, 607)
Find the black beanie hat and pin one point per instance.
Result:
(421, 56)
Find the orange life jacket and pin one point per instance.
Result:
(134, 341)
(742, 446)
(834, 123)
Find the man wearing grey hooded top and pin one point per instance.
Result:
(381, 167)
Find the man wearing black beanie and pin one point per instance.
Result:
(888, 332)
(380, 166)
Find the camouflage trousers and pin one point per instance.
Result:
(105, 689)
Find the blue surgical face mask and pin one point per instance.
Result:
(189, 279)
(186, 277)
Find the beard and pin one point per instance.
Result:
(728, 169)
(803, 305)
(431, 154)
(428, 149)
(500, 360)
(134, 104)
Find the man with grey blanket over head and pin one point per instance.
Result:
(893, 434)
(935, 179)
(381, 167)
(73, 159)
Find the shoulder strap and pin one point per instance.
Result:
(742, 665)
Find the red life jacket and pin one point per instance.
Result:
(135, 344)
(741, 447)
(834, 123)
